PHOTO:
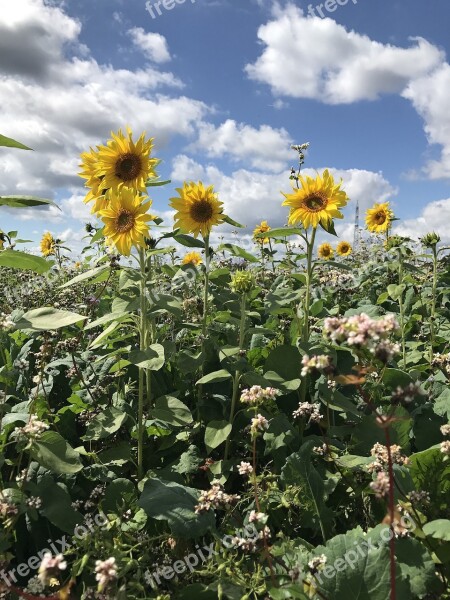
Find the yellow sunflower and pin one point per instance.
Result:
(198, 209)
(316, 201)
(325, 251)
(89, 166)
(126, 219)
(48, 244)
(192, 258)
(262, 228)
(344, 249)
(123, 163)
(379, 217)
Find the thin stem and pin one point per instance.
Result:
(433, 304)
(142, 342)
(401, 305)
(309, 270)
(237, 375)
(391, 515)
(204, 319)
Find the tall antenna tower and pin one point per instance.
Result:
(356, 231)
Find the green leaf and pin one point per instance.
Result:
(156, 182)
(214, 377)
(230, 221)
(441, 405)
(84, 276)
(175, 503)
(300, 471)
(438, 529)
(10, 143)
(57, 505)
(281, 232)
(188, 240)
(120, 494)
(329, 227)
(151, 359)
(105, 424)
(53, 452)
(24, 261)
(216, 433)
(172, 411)
(48, 318)
(25, 202)
(238, 251)
(395, 291)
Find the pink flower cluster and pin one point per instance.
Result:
(215, 498)
(257, 395)
(361, 332)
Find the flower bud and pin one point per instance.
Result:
(242, 282)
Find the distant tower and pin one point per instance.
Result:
(356, 232)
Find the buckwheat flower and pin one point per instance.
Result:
(380, 453)
(105, 572)
(445, 448)
(6, 323)
(257, 517)
(381, 485)
(245, 468)
(320, 450)
(215, 498)
(258, 424)
(33, 429)
(419, 497)
(319, 362)
(445, 429)
(306, 409)
(258, 395)
(50, 566)
(317, 563)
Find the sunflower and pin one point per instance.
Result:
(344, 249)
(125, 220)
(89, 166)
(325, 251)
(198, 209)
(48, 244)
(262, 228)
(123, 163)
(316, 201)
(192, 258)
(379, 217)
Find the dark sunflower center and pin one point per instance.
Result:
(380, 218)
(124, 221)
(344, 248)
(128, 166)
(201, 211)
(315, 203)
(326, 251)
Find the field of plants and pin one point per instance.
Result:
(187, 419)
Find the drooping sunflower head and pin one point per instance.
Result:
(379, 217)
(262, 228)
(126, 219)
(123, 163)
(48, 244)
(2, 240)
(344, 248)
(198, 209)
(89, 167)
(192, 258)
(325, 251)
(316, 201)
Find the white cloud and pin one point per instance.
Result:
(258, 147)
(434, 217)
(153, 45)
(310, 57)
(429, 95)
(64, 101)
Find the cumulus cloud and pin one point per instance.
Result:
(434, 217)
(429, 95)
(264, 148)
(153, 45)
(310, 57)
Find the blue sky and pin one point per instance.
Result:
(225, 87)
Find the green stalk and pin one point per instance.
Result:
(401, 305)
(205, 318)
(433, 302)
(142, 342)
(309, 269)
(237, 375)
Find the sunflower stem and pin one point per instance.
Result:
(204, 320)
(142, 343)
(433, 302)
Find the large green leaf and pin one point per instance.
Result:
(10, 143)
(45, 318)
(152, 358)
(188, 241)
(214, 377)
(238, 251)
(172, 411)
(85, 275)
(53, 452)
(216, 433)
(174, 503)
(25, 202)
(105, 424)
(281, 232)
(438, 529)
(24, 261)
(57, 505)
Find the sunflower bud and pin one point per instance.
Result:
(394, 241)
(242, 282)
(430, 240)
